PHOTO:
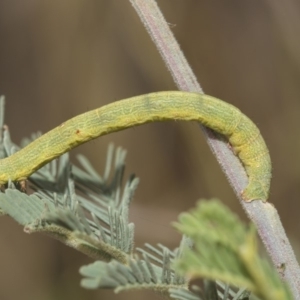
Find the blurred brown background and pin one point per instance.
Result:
(62, 58)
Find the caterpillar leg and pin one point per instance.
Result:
(2, 187)
(22, 185)
(255, 190)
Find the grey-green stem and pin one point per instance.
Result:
(263, 215)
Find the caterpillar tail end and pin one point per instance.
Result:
(255, 190)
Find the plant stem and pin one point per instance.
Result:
(264, 215)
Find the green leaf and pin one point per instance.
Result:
(138, 274)
(104, 232)
(225, 249)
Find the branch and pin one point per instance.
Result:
(263, 215)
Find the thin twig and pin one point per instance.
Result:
(264, 215)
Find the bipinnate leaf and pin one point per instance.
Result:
(226, 249)
(94, 222)
(137, 274)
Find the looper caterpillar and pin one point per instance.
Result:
(216, 114)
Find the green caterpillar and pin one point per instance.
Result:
(220, 116)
